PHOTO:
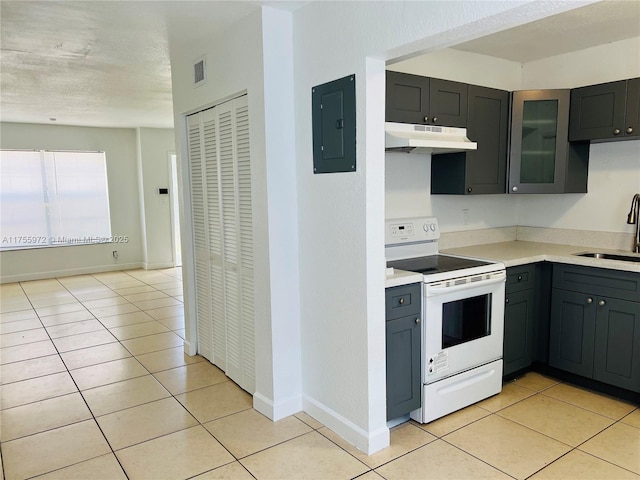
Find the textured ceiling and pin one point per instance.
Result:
(98, 63)
(106, 63)
(584, 27)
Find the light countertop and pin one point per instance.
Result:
(521, 253)
(402, 277)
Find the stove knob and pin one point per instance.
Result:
(425, 227)
(432, 226)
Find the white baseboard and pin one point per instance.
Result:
(190, 348)
(156, 266)
(367, 442)
(70, 272)
(279, 410)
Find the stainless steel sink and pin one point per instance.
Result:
(609, 256)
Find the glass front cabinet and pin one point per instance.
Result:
(542, 160)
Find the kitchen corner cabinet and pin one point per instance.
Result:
(403, 342)
(519, 318)
(481, 171)
(605, 112)
(541, 159)
(422, 100)
(595, 324)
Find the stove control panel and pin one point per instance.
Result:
(409, 230)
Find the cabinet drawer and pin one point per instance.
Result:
(520, 278)
(403, 301)
(597, 281)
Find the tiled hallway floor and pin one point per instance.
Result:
(95, 385)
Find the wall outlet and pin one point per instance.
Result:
(466, 214)
(115, 254)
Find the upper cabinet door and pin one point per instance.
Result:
(598, 111)
(481, 171)
(448, 103)
(538, 141)
(632, 125)
(541, 159)
(488, 125)
(425, 101)
(407, 98)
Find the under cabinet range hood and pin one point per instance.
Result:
(432, 139)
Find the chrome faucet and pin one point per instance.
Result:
(632, 218)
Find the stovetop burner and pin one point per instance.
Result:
(432, 264)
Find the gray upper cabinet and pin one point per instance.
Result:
(481, 171)
(423, 100)
(541, 158)
(605, 112)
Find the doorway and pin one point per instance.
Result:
(175, 211)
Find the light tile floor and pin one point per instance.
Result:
(94, 384)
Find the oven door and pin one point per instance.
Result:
(463, 324)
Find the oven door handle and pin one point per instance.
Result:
(441, 288)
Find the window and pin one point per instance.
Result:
(53, 198)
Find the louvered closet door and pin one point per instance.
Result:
(245, 231)
(200, 237)
(220, 165)
(230, 242)
(214, 230)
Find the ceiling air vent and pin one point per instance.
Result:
(199, 69)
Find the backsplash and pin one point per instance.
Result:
(560, 236)
(483, 236)
(580, 238)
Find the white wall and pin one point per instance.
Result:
(614, 177)
(339, 221)
(120, 148)
(341, 216)
(604, 63)
(254, 56)
(466, 67)
(155, 145)
(614, 168)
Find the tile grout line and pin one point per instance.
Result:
(171, 395)
(73, 379)
(95, 420)
(76, 385)
(316, 429)
(58, 396)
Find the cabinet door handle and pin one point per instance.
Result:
(629, 130)
(519, 278)
(401, 301)
(514, 189)
(426, 119)
(469, 190)
(616, 131)
(589, 300)
(435, 119)
(506, 300)
(417, 320)
(602, 303)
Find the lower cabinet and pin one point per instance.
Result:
(519, 318)
(595, 324)
(403, 345)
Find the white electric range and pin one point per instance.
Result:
(462, 317)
